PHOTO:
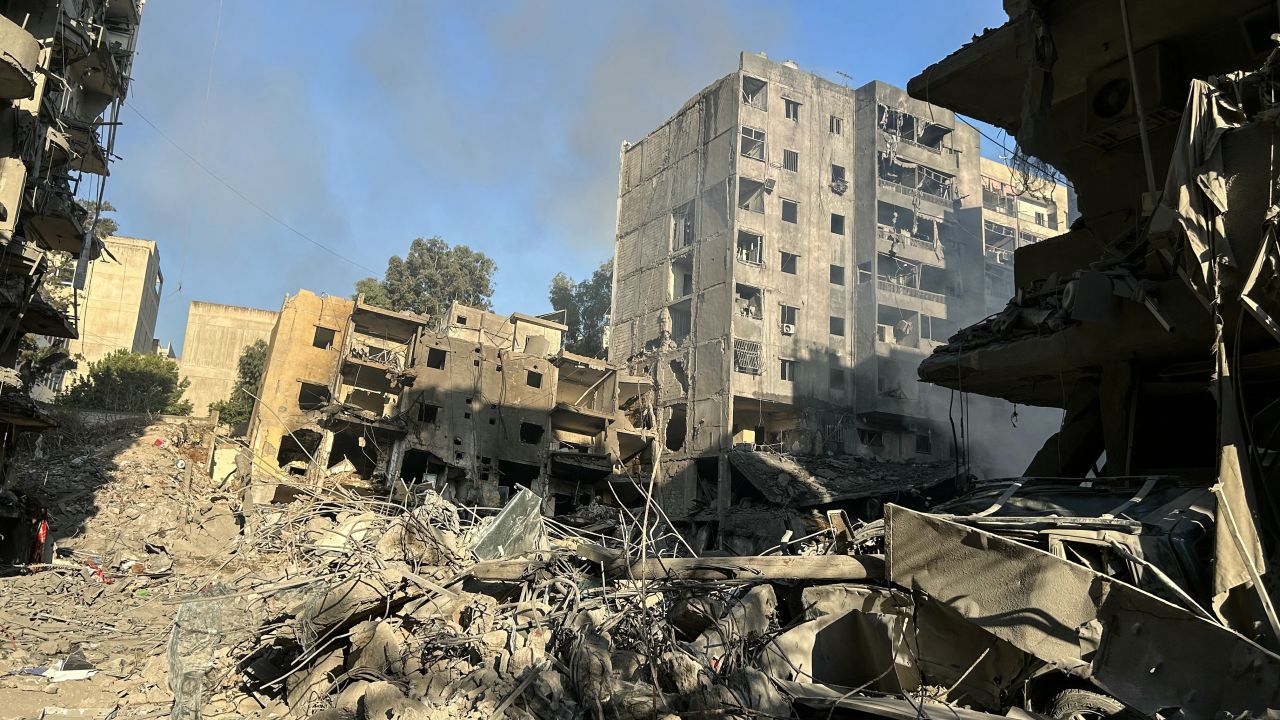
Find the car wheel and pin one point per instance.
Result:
(1077, 704)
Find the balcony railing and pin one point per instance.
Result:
(890, 286)
(889, 235)
(893, 185)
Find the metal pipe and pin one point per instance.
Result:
(1137, 98)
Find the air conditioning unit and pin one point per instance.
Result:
(770, 184)
(1111, 113)
(788, 329)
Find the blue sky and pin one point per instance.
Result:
(492, 124)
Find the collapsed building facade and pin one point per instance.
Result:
(63, 78)
(471, 404)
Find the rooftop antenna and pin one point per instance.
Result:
(847, 77)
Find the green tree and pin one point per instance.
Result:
(430, 277)
(586, 309)
(250, 368)
(106, 226)
(130, 382)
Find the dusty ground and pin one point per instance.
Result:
(137, 526)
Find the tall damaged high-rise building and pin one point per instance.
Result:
(789, 249)
(64, 72)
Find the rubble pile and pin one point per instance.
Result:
(402, 620)
(132, 525)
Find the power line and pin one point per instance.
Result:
(246, 198)
(1060, 179)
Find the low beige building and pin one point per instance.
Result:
(119, 303)
(472, 404)
(216, 336)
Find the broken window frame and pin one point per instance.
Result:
(746, 356)
(753, 143)
(789, 260)
(755, 92)
(751, 253)
(754, 195)
(749, 301)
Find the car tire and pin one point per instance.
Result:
(1079, 704)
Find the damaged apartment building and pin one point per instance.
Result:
(64, 73)
(471, 405)
(788, 251)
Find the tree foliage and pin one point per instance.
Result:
(430, 277)
(106, 226)
(131, 382)
(586, 308)
(249, 370)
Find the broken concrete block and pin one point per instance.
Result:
(304, 687)
(348, 701)
(745, 621)
(691, 616)
(376, 648)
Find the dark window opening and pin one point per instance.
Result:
(789, 262)
(361, 449)
(837, 326)
(414, 467)
(837, 378)
(755, 93)
(312, 396)
(837, 275)
(298, 447)
(839, 185)
(681, 321)
(787, 370)
(323, 338)
(790, 210)
(788, 315)
(531, 433)
(462, 319)
(750, 195)
(682, 227)
(428, 413)
(837, 125)
(676, 428)
(924, 444)
(793, 109)
(435, 358)
(837, 224)
(871, 438)
(533, 379)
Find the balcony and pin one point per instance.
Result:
(893, 287)
(367, 354)
(908, 190)
(890, 235)
(57, 222)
